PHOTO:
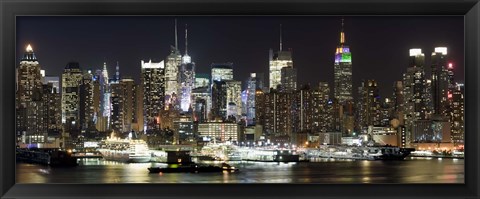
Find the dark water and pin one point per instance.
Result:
(408, 171)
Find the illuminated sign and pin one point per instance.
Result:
(346, 57)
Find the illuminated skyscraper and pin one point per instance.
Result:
(368, 105)
(202, 103)
(278, 61)
(288, 78)
(234, 98)
(281, 113)
(343, 71)
(259, 107)
(105, 105)
(301, 111)
(458, 115)
(153, 83)
(219, 100)
(29, 106)
(87, 109)
(124, 101)
(71, 81)
(252, 84)
(115, 111)
(202, 80)
(322, 118)
(440, 81)
(172, 86)
(222, 71)
(187, 78)
(414, 92)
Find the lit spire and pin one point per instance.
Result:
(176, 40)
(117, 72)
(280, 37)
(186, 39)
(29, 48)
(342, 35)
(105, 72)
(186, 59)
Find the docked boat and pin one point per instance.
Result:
(192, 168)
(51, 157)
(268, 155)
(125, 150)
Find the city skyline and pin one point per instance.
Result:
(410, 101)
(217, 40)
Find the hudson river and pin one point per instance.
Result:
(411, 170)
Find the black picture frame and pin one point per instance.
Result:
(9, 9)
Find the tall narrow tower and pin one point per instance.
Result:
(278, 60)
(187, 78)
(172, 86)
(343, 71)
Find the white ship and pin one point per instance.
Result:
(268, 154)
(125, 150)
(360, 152)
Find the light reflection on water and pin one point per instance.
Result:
(330, 171)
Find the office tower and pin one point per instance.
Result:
(428, 98)
(368, 105)
(234, 98)
(219, 100)
(187, 78)
(201, 97)
(128, 101)
(244, 104)
(322, 118)
(222, 71)
(52, 109)
(343, 89)
(183, 130)
(103, 119)
(252, 84)
(153, 86)
(54, 99)
(98, 119)
(87, 108)
(278, 113)
(451, 83)
(260, 107)
(458, 115)
(302, 110)
(29, 99)
(440, 81)
(172, 86)
(219, 131)
(55, 80)
(414, 92)
(398, 100)
(288, 78)
(71, 81)
(51, 91)
(202, 104)
(202, 80)
(386, 112)
(116, 111)
(277, 61)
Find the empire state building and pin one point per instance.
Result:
(343, 71)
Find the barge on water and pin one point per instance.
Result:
(192, 168)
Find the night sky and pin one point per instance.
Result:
(379, 44)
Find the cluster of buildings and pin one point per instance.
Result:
(174, 105)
